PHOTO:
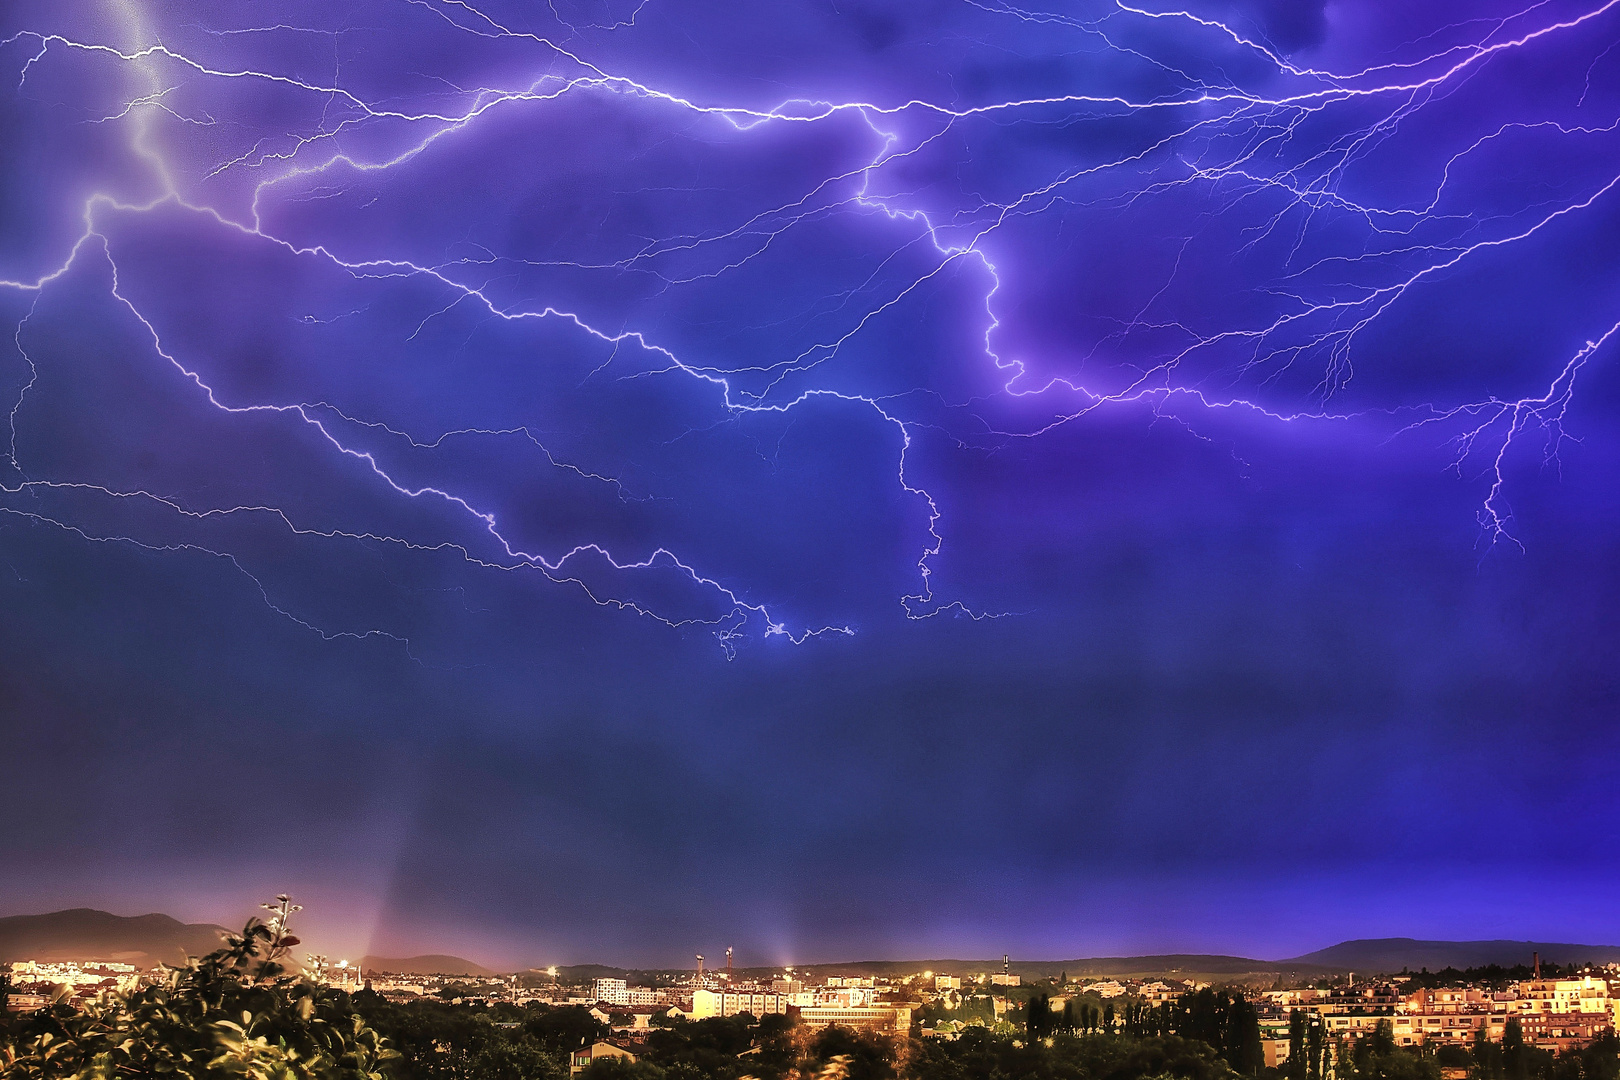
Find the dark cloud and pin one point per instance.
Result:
(1291, 24)
(609, 522)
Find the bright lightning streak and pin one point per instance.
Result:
(1233, 142)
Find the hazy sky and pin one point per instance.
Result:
(613, 479)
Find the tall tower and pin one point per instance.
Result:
(728, 965)
(700, 969)
(1006, 983)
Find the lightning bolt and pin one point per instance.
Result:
(1237, 125)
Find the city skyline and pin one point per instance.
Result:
(876, 479)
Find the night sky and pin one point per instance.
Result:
(612, 479)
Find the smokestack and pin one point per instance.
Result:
(1536, 959)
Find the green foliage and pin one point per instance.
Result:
(441, 1041)
(1376, 1057)
(712, 1047)
(1297, 1025)
(1515, 1054)
(1219, 1018)
(1514, 1059)
(612, 1068)
(1493, 976)
(973, 1008)
(1039, 1019)
(1600, 1060)
(982, 1055)
(237, 1012)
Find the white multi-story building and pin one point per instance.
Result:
(641, 996)
(706, 1003)
(1587, 994)
(612, 991)
(885, 1018)
(843, 997)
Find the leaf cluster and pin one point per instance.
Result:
(980, 1054)
(241, 1011)
(441, 1041)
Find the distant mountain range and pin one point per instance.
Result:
(87, 934)
(1203, 966)
(1367, 955)
(432, 964)
(1394, 954)
(145, 940)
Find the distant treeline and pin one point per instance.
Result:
(1494, 976)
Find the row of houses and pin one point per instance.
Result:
(1554, 1014)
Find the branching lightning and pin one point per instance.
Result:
(1243, 128)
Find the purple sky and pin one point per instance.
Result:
(613, 479)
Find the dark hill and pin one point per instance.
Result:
(1184, 965)
(87, 934)
(1389, 955)
(582, 973)
(423, 965)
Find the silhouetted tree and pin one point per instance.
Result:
(1375, 1056)
(1487, 1057)
(854, 1055)
(1600, 1059)
(565, 1029)
(1296, 1044)
(1515, 1061)
(1223, 1019)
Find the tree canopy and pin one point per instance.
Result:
(240, 1011)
